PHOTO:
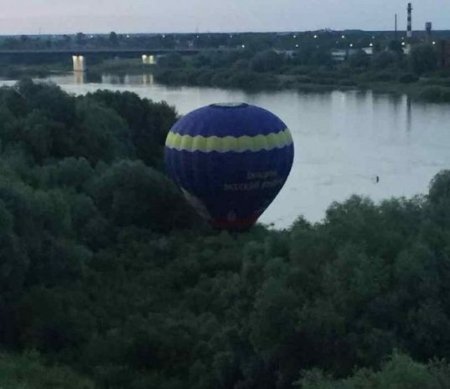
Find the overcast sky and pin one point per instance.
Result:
(70, 16)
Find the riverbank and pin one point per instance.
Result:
(187, 72)
(434, 89)
(313, 69)
(13, 71)
(17, 71)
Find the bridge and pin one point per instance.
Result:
(79, 55)
(85, 51)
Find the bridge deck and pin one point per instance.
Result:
(85, 51)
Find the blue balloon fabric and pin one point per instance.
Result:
(230, 160)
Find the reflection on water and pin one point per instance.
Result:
(111, 79)
(147, 79)
(343, 140)
(408, 114)
(81, 78)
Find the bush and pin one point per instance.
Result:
(434, 94)
(384, 59)
(132, 194)
(383, 76)
(423, 58)
(408, 78)
(266, 61)
(29, 372)
(359, 60)
(400, 372)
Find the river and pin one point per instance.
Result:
(343, 140)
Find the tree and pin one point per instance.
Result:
(100, 134)
(439, 198)
(148, 121)
(384, 59)
(80, 39)
(396, 47)
(440, 187)
(173, 60)
(266, 61)
(113, 39)
(423, 58)
(132, 194)
(360, 59)
(400, 371)
(320, 57)
(30, 371)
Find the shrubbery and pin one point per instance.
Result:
(29, 372)
(435, 94)
(397, 373)
(310, 68)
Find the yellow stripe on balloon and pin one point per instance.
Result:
(275, 140)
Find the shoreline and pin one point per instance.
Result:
(427, 90)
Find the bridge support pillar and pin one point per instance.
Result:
(79, 63)
(148, 59)
(147, 79)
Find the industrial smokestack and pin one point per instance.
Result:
(396, 27)
(409, 28)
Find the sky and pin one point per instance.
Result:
(133, 16)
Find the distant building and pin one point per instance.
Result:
(286, 53)
(340, 55)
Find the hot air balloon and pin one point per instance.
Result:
(230, 161)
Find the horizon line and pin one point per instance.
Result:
(212, 32)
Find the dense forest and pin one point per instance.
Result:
(312, 68)
(108, 278)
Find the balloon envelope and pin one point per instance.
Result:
(230, 160)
